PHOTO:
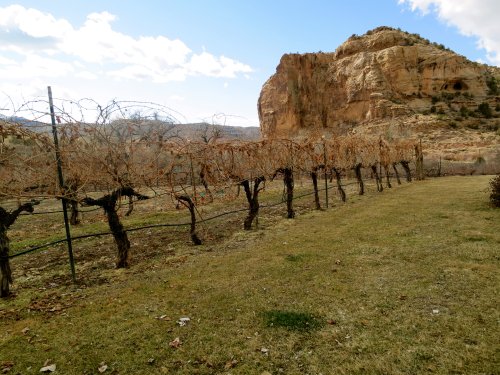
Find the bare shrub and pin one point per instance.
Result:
(495, 191)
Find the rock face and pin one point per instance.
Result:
(382, 75)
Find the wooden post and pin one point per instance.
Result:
(325, 170)
(419, 160)
(61, 187)
(193, 182)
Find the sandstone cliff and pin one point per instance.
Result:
(384, 76)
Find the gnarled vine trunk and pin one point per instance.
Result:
(204, 182)
(108, 204)
(6, 279)
(74, 220)
(71, 194)
(288, 182)
(359, 177)
(187, 201)
(340, 189)
(253, 200)
(406, 166)
(387, 177)
(120, 236)
(6, 220)
(419, 162)
(130, 207)
(314, 177)
(377, 178)
(396, 173)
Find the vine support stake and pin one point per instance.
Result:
(193, 182)
(325, 170)
(61, 186)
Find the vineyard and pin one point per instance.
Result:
(370, 285)
(118, 159)
(130, 249)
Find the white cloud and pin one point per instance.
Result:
(34, 66)
(155, 58)
(177, 98)
(38, 49)
(86, 75)
(142, 72)
(209, 65)
(32, 22)
(478, 18)
(6, 61)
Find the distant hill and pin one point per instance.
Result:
(32, 125)
(196, 131)
(192, 131)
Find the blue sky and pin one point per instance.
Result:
(204, 57)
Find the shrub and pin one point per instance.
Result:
(497, 108)
(485, 110)
(480, 160)
(491, 82)
(453, 125)
(447, 96)
(433, 109)
(464, 112)
(495, 191)
(434, 99)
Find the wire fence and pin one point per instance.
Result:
(163, 225)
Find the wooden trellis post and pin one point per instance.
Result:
(61, 186)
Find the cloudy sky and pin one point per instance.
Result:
(204, 58)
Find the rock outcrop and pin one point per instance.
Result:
(385, 74)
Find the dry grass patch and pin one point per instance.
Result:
(403, 282)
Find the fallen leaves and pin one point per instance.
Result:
(175, 343)
(52, 303)
(11, 314)
(6, 366)
(231, 364)
(49, 368)
(163, 317)
(102, 367)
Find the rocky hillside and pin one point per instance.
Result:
(387, 82)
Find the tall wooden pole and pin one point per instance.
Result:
(61, 186)
(325, 170)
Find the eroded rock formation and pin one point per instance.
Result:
(382, 75)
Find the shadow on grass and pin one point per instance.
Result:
(293, 321)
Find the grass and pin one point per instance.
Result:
(402, 282)
(291, 320)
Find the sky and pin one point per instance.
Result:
(204, 60)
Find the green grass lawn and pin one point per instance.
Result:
(401, 282)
